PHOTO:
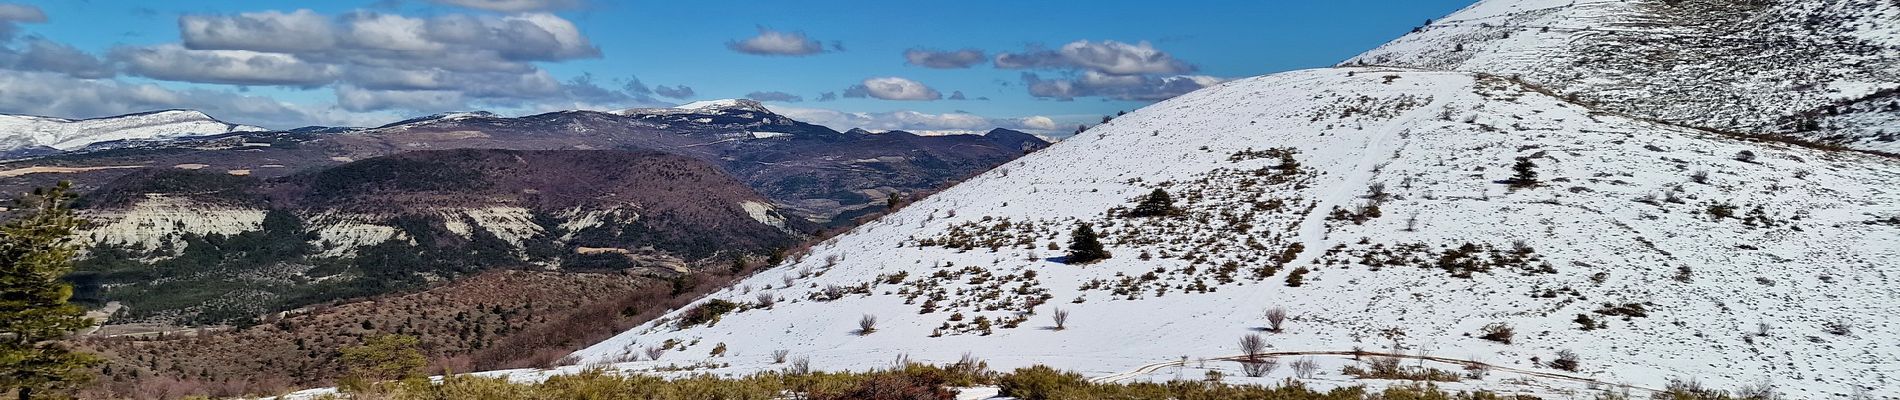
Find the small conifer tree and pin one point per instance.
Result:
(1084, 246)
(1525, 173)
(1155, 204)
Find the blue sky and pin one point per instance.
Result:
(287, 63)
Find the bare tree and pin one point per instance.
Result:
(1259, 368)
(867, 324)
(1276, 318)
(1252, 346)
(902, 360)
(1566, 360)
(654, 352)
(778, 356)
(1304, 367)
(1476, 368)
(800, 366)
(766, 299)
(1061, 317)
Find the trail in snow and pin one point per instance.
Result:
(1313, 230)
(1151, 368)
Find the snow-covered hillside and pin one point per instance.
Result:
(1757, 66)
(703, 107)
(1377, 206)
(24, 131)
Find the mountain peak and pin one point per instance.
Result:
(28, 131)
(720, 106)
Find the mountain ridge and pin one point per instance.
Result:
(1361, 199)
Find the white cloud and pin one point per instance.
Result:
(272, 31)
(1038, 122)
(1107, 57)
(358, 99)
(893, 88)
(49, 56)
(1108, 69)
(1131, 87)
(236, 67)
(917, 122)
(777, 43)
(47, 93)
(944, 59)
(512, 6)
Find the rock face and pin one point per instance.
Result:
(25, 134)
(1381, 207)
(230, 247)
(1783, 67)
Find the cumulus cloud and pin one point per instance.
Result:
(47, 93)
(271, 31)
(11, 15)
(917, 122)
(512, 6)
(1107, 57)
(1037, 122)
(828, 96)
(390, 61)
(778, 43)
(44, 55)
(775, 96)
(1107, 69)
(675, 92)
(892, 88)
(236, 67)
(944, 59)
(452, 41)
(1130, 87)
(957, 95)
(354, 98)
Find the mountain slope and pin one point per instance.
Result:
(1754, 66)
(22, 132)
(814, 172)
(1381, 207)
(208, 248)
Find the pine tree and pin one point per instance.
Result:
(36, 250)
(1155, 204)
(1526, 173)
(383, 358)
(1084, 246)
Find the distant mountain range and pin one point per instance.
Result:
(238, 221)
(24, 135)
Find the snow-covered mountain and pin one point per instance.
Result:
(703, 107)
(20, 132)
(1755, 66)
(1384, 209)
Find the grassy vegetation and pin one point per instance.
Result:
(914, 381)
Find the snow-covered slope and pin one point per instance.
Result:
(1384, 190)
(24, 131)
(1757, 66)
(703, 107)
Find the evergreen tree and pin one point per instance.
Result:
(1084, 246)
(36, 250)
(383, 358)
(1526, 173)
(1155, 204)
